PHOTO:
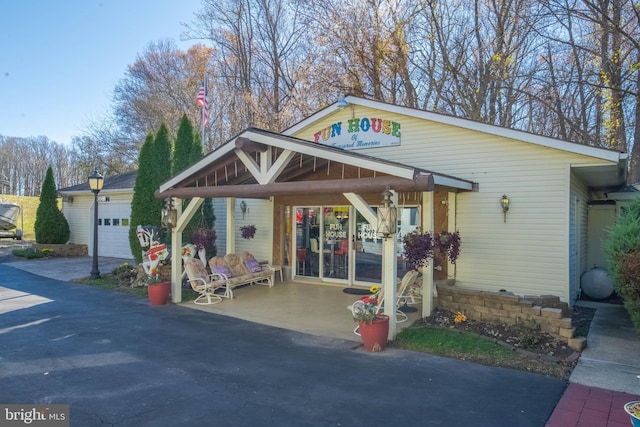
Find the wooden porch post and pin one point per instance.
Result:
(176, 244)
(451, 227)
(390, 276)
(176, 259)
(231, 225)
(427, 271)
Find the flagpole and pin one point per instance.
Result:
(202, 116)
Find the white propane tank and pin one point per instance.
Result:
(596, 283)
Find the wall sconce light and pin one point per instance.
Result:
(169, 214)
(387, 215)
(505, 206)
(243, 208)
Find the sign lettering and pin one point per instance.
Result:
(367, 132)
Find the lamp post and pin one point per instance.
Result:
(95, 184)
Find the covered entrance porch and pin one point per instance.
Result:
(318, 205)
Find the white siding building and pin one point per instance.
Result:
(296, 187)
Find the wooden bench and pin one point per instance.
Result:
(239, 270)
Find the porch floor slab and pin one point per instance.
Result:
(316, 309)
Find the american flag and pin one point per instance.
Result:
(201, 100)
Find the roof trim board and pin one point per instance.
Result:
(518, 135)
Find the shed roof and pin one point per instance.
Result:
(123, 182)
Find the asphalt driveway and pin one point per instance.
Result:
(118, 361)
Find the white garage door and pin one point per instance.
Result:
(113, 230)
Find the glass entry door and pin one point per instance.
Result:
(368, 253)
(322, 242)
(336, 238)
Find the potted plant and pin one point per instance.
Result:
(248, 231)
(633, 409)
(203, 239)
(449, 245)
(158, 289)
(372, 326)
(419, 247)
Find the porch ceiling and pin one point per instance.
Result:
(601, 177)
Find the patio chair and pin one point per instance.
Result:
(409, 292)
(203, 283)
(301, 261)
(407, 280)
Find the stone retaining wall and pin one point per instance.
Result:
(69, 250)
(553, 315)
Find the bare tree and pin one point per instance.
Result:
(158, 88)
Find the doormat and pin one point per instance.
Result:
(356, 291)
(406, 309)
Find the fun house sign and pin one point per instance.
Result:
(359, 133)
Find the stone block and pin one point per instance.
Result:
(508, 298)
(566, 332)
(490, 318)
(526, 303)
(482, 310)
(476, 300)
(551, 313)
(445, 297)
(532, 311)
(565, 322)
(577, 343)
(512, 309)
(493, 304)
(462, 299)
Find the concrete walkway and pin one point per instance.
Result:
(68, 269)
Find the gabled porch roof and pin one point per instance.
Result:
(259, 164)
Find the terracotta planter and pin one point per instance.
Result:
(159, 293)
(374, 335)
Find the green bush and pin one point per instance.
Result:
(528, 332)
(51, 226)
(125, 274)
(28, 253)
(622, 250)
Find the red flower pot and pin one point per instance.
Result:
(374, 335)
(159, 293)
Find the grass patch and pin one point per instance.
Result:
(107, 281)
(29, 206)
(467, 346)
(444, 342)
(28, 253)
